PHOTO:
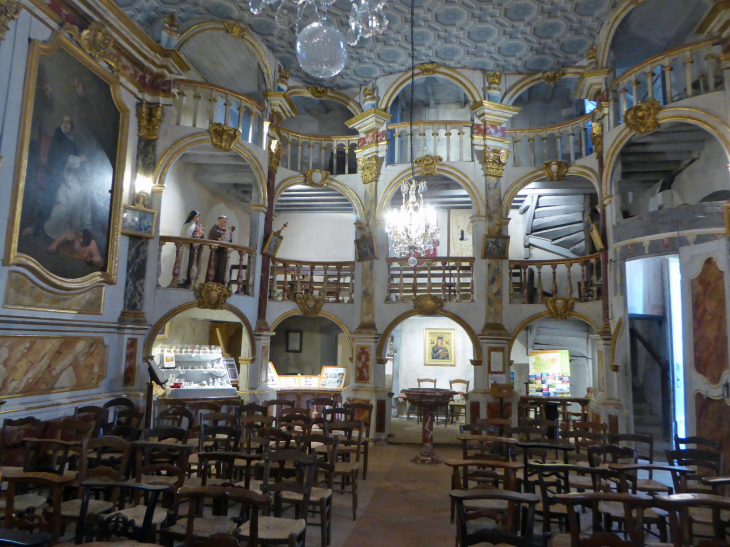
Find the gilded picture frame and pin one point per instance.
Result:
(140, 222)
(439, 347)
(272, 245)
(726, 216)
(366, 249)
(107, 272)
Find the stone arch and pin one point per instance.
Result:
(543, 315)
(380, 352)
(180, 147)
(449, 73)
(219, 26)
(605, 37)
(332, 182)
(579, 170)
(447, 170)
(162, 321)
(351, 104)
(529, 80)
(324, 314)
(694, 116)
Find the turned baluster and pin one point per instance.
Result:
(596, 275)
(443, 280)
(298, 274)
(688, 62)
(285, 283)
(211, 264)
(389, 295)
(582, 280)
(251, 266)
(471, 275)
(227, 276)
(569, 265)
(159, 261)
(511, 284)
(458, 281)
(414, 286)
(324, 282)
(239, 277)
(539, 284)
(555, 280)
(352, 283)
(176, 266)
(273, 282)
(339, 281)
(429, 264)
(193, 258)
(525, 288)
(311, 279)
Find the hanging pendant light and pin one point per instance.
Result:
(413, 229)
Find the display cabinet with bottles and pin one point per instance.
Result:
(194, 372)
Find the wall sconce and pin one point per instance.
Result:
(143, 189)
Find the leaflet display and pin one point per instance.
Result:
(549, 373)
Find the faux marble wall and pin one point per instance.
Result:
(23, 293)
(712, 423)
(709, 322)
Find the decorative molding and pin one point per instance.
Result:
(318, 92)
(283, 75)
(223, 136)
(495, 160)
(428, 304)
(9, 11)
(555, 170)
(275, 155)
(597, 136)
(591, 56)
(212, 296)
(560, 308)
(96, 40)
(309, 304)
(552, 78)
(642, 118)
(22, 292)
(614, 341)
(428, 164)
(149, 119)
(494, 78)
(309, 175)
(367, 93)
(235, 29)
(429, 69)
(369, 169)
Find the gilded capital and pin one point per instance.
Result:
(149, 118)
(555, 170)
(428, 164)
(223, 136)
(643, 117)
(428, 69)
(276, 152)
(369, 168)
(367, 93)
(9, 11)
(235, 29)
(495, 160)
(494, 78)
(597, 136)
(283, 75)
(552, 77)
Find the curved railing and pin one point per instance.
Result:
(199, 104)
(567, 141)
(526, 279)
(452, 276)
(670, 76)
(290, 278)
(450, 139)
(334, 154)
(196, 250)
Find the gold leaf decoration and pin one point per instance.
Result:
(428, 69)
(560, 308)
(318, 92)
(495, 160)
(212, 296)
(643, 117)
(555, 170)
(149, 118)
(310, 305)
(223, 136)
(552, 78)
(235, 29)
(427, 304)
(369, 169)
(96, 40)
(9, 11)
(309, 177)
(428, 164)
(494, 78)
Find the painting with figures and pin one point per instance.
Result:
(69, 155)
(440, 349)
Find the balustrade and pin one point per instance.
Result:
(334, 154)
(450, 139)
(671, 76)
(242, 259)
(568, 141)
(576, 278)
(199, 104)
(451, 278)
(290, 278)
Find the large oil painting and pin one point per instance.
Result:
(440, 349)
(69, 168)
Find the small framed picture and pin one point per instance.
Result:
(139, 222)
(726, 216)
(294, 341)
(365, 249)
(495, 247)
(273, 244)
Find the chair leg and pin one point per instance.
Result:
(323, 520)
(365, 462)
(354, 495)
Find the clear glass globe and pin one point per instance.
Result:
(412, 261)
(321, 50)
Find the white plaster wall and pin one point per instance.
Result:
(411, 353)
(317, 237)
(645, 286)
(707, 175)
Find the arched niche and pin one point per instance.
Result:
(450, 74)
(332, 182)
(352, 105)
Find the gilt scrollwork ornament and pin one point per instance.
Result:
(9, 11)
(369, 169)
(428, 164)
(320, 174)
(367, 93)
(494, 79)
(96, 40)
(275, 155)
(428, 304)
(212, 296)
(149, 119)
(318, 92)
(555, 170)
(223, 136)
(495, 160)
(597, 136)
(283, 75)
(309, 304)
(560, 308)
(643, 117)
(428, 69)
(235, 29)
(552, 78)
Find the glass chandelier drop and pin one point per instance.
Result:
(413, 229)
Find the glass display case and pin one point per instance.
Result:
(194, 372)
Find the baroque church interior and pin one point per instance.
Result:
(406, 272)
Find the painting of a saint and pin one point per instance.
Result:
(440, 350)
(71, 141)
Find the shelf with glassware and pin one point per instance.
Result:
(197, 372)
(302, 387)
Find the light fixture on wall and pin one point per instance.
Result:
(413, 228)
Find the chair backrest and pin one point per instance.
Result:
(319, 403)
(123, 402)
(459, 383)
(69, 428)
(156, 462)
(295, 423)
(276, 463)
(251, 409)
(322, 445)
(295, 410)
(701, 443)
(105, 457)
(176, 417)
(273, 438)
(50, 455)
(601, 453)
(679, 506)
(338, 414)
(502, 424)
(426, 381)
(274, 406)
(14, 432)
(350, 434)
(479, 429)
(645, 442)
(203, 407)
(217, 418)
(218, 437)
(705, 462)
(167, 433)
(90, 413)
(362, 411)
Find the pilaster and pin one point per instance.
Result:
(368, 382)
(258, 367)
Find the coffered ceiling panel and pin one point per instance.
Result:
(505, 35)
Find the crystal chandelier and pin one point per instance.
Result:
(321, 47)
(413, 229)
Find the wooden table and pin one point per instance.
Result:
(562, 401)
(300, 396)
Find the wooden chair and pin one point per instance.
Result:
(90, 413)
(170, 434)
(700, 443)
(502, 424)
(364, 412)
(176, 417)
(338, 414)
(248, 425)
(467, 532)
(296, 424)
(645, 445)
(682, 506)
(120, 411)
(217, 418)
(458, 405)
(318, 404)
(252, 409)
(350, 434)
(12, 435)
(427, 381)
(274, 406)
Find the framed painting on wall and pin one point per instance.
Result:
(495, 247)
(440, 347)
(138, 222)
(66, 203)
(366, 249)
(294, 341)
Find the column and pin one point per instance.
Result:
(257, 370)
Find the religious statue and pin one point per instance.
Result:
(219, 232)
(193, 230)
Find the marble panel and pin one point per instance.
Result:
(136, 272)
(130, 362)
(21, 292)
(34, 365)
(362, 364)
(712, 423)
(709, 322)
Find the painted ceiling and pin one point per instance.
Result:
(505, 35)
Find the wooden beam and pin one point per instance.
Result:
(548, 246)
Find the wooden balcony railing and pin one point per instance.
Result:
(199, 104)
(290, 278)
(450, 276)
(335, 154)
(671, 76)
(526, 279)
(568, 141)
(245, 263)
(450, 139)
